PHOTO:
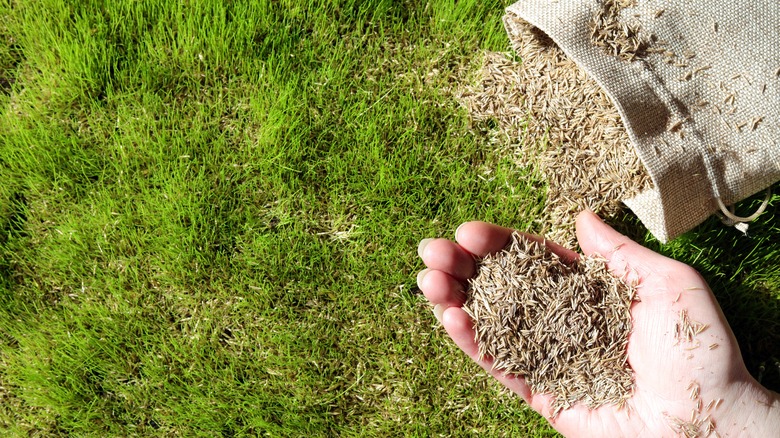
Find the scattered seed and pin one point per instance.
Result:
(754, 123)
(696, 345)
(615, 36)
(687, 329)
(712, 346)
(694, 388)
(676, 125)
(589, 160)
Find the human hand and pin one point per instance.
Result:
(666, 371)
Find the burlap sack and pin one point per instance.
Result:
(697, 84)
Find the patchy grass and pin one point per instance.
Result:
(209, 213)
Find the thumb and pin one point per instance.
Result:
(625, 258)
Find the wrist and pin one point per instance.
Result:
(759, 409)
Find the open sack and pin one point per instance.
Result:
(696, 85)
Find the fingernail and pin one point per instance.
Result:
(438, 311)
(422, 245)
(458, 229)
(420, 276)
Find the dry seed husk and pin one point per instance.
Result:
(613, 34)
(563, 327)
(553, 117)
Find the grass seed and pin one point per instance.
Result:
(559, 121)
(563, 327)
(615, 36)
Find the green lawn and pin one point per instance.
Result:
(209, 214)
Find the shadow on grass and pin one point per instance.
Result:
(743, 272)
(13, 216)
(10, 58)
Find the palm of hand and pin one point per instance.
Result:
(677, 382)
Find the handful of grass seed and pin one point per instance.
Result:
(563, 327)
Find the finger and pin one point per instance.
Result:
(482, 238)
(446, 255)
(441, 288)
(624, 256)
(460, 328)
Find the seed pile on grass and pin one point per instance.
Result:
(563, 327)
(587, 158)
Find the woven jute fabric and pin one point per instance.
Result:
(697, 85)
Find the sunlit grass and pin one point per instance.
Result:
(209, 213)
